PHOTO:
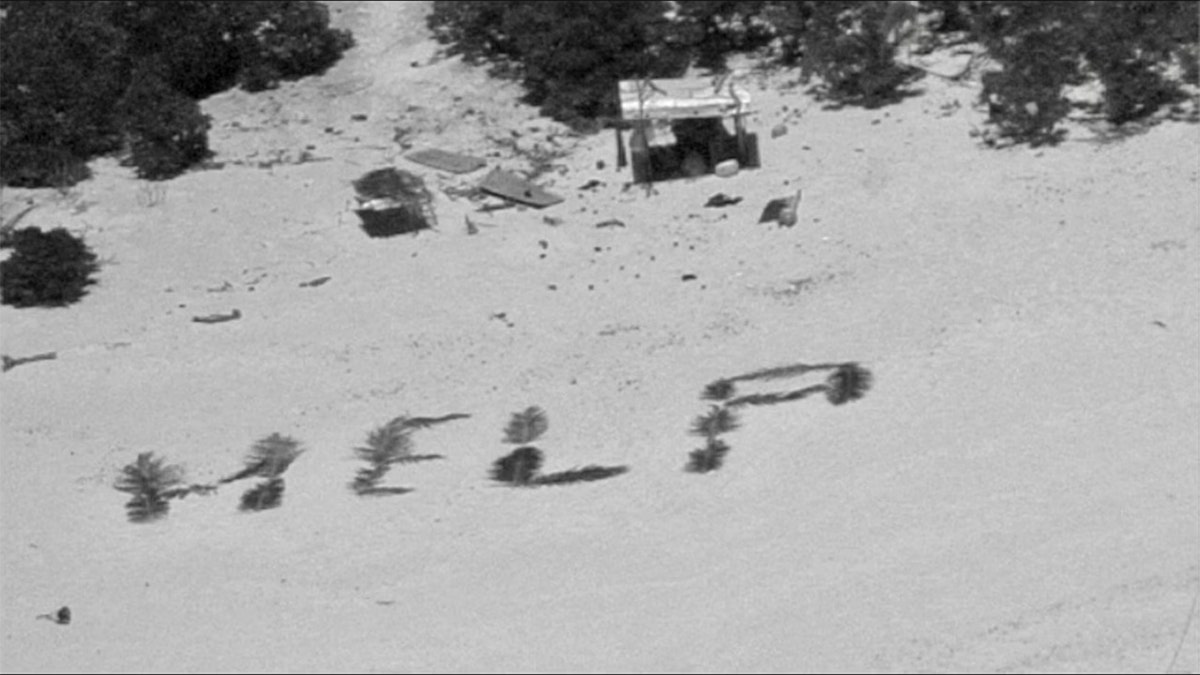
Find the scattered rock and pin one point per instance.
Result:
(591, 184)
(779, 130)
(359, 117)
(611, 223)
(689, 277)
(721, 199)
(315, 282)
(218, 318)
(62, 617)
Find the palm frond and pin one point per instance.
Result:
(709, 458)
(718, 391)
(517, 467)
(849, 382)
(266, 495)
(716, 421)
(149, 474)
(779, 372)
(527, 426)
(588, 473)
(774, 398)
(269, 457)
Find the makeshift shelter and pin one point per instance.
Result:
(392, 202)
(692, 111)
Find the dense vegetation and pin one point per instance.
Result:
(568, 55)
(46, 269)
(81, 79)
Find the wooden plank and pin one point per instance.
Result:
(446, 161)
(511, 186)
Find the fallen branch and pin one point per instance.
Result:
(11, 362)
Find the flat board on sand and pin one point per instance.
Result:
(511, 186)
(446, 161)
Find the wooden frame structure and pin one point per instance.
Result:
(644, 101)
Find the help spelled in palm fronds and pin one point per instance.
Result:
(268, 458)
(149, 480)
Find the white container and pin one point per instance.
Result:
(727, 168)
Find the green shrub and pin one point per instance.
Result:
(1042, 47)
(290, 40)
(67, 65)
(846, 45)
(36, 166)
(567, 55)
(713, 29)
(167, 131)
(49, 269)
(63, 66)
(1129, 45)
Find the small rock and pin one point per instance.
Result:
(779, 130)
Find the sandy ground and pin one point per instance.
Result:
(1020, 491)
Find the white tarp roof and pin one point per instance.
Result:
(683, 98)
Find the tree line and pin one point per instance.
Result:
(82, 79)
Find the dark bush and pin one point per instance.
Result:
(48, 269)
(1129, 44)
(568, 55)
(67, 64)
(846, 45)
(1038, 45)
(166, 129)
(1043, 47)
(712, 29)
(290, 40)
(64, 65)
(35, 166)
